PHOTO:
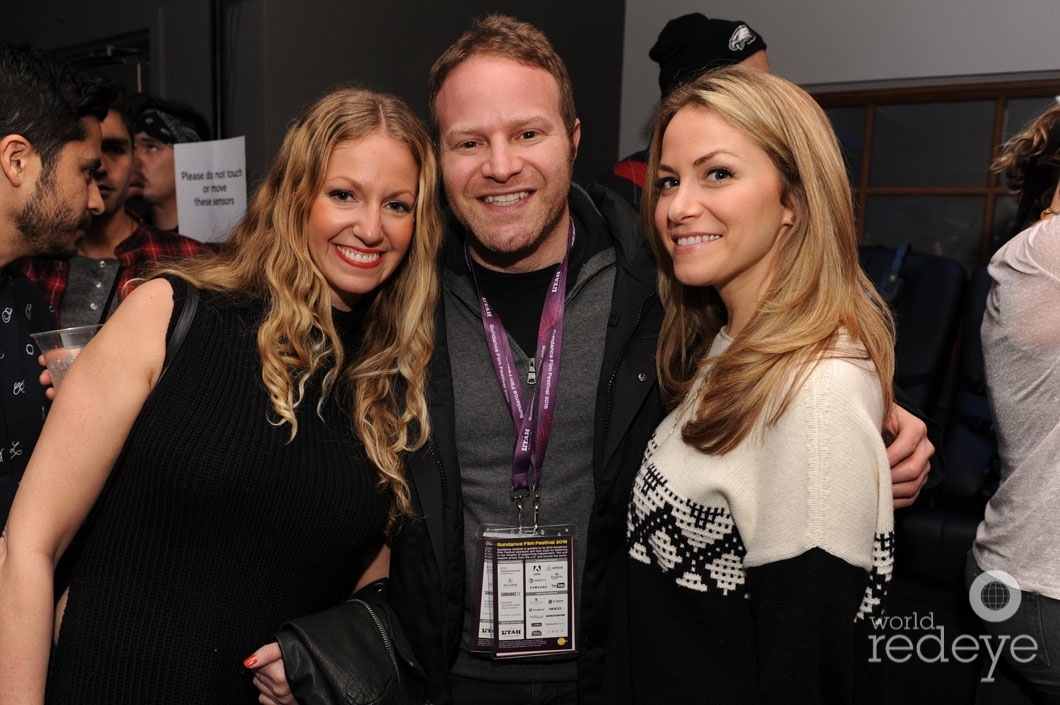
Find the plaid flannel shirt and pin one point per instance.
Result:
(134, 253)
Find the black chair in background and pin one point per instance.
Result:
(926, 293)
(934, 536)
(936, 309)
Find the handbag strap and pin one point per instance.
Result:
(180, 329)
(110, 296)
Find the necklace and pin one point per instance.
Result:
(694, 399)
(1047, 211)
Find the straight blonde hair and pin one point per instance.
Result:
(818, 287)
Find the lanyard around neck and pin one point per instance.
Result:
(532, 418)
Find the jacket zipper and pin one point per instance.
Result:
(618, 361)
(441, 468)
(382, 630)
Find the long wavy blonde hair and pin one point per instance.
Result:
(267, 257)
(817, 288)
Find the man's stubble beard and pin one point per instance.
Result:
(48, 227)
(506, 258)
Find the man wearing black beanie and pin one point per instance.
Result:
(687, 47)
(693, 44)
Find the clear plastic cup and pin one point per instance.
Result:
(60, 347)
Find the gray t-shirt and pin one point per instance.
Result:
(1021, 349)
(87, 288)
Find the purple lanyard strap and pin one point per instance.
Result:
(533, 418)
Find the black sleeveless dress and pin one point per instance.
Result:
(213, 529)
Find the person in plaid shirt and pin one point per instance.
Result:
(117, 248)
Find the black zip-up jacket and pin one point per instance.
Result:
(427, 562)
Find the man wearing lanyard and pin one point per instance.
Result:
(546, 340)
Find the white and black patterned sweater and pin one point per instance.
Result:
(755, 575)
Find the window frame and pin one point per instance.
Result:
(1000, 91)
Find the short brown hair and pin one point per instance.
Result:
(507, 37)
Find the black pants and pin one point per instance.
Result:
(1037, 671)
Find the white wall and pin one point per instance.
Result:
(816, 42)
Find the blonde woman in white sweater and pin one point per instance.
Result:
(761, 516)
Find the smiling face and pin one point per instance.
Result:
(720, 215)
(506, 161)
(361, 223)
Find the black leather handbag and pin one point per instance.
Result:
(352, 654)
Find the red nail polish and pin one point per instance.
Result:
(251, 661)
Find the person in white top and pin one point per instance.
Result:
(1016, 542)
(761, 523)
